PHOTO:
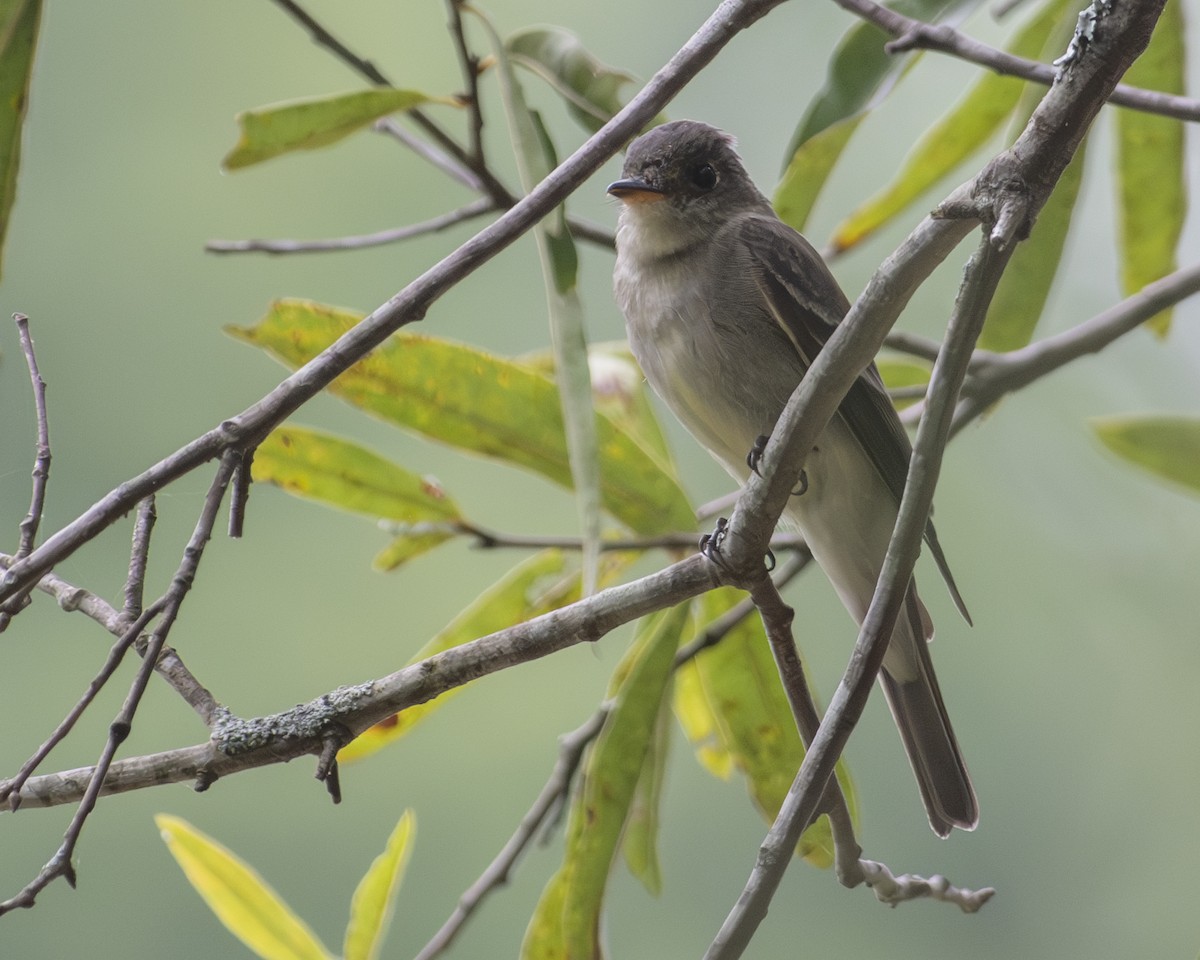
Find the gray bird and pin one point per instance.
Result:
(726, 307)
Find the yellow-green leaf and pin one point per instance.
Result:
(320, 466)
(962, 131)
(590, 88)
(1150, 166)
(371, 908)
(808, 169)
(413, 542)
(18, 39)
(566, 922)
(317, 122)
(734, 709)
(478, 402)
(1166, 446)
(536, 585)
(901, 373)
(1021, 295)
(241, 899)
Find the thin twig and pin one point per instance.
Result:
(994, 375)
(893, 890)
(41, 463)
(777, 622)
(324, 38)
(469, 66)
(41, 466)
(139, 556)
(915, 34)
(432, 155)
(239, 493)
(476, 208)
(60, 865)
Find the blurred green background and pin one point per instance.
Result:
(1074, 695)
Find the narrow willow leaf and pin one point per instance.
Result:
(639, 844)
(477, 402)
(19, 21)
(535, 586)
(566, 922)
(963, 130)
(1166, 446)
(241, 899)
(409, 545)
(536, 157)
(308, 124)
(748, 718)
(1021, 295)
(901, 373)
(861, 74)
(375, 896)
(1150, 166)
(590, 88)
(320, 466)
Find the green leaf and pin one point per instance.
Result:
(536, 157)
(241, 899)
(1150, 166)
(590, 88)
(566, 922)
(861, 74)
(639, 844)
(375, 896)
(317, 122)
(1021, 295)
(411, 543)
(539, 584)
(19, 21)
(477, 402)
(1166, 446)
(963, 130)
(732, 705)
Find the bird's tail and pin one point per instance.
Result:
(929, 740)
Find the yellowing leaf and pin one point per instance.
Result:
(639, 843)
(18, 39)
(736, 684)
(240, 898)
(371, 908)
(533, 587)
(308, 124)
(1150, 166)
(808, 169)
(566, 923)
(478, 402)
(320, 466)
(1166, 446)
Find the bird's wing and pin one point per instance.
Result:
(807, 303)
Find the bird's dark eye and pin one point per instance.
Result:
(704, 176)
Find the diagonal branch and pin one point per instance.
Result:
(407, 306)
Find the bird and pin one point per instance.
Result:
(726, 307)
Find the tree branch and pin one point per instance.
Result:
(915, 34)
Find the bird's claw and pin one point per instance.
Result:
(754, 457)
(710, 543)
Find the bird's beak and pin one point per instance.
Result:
(635, 190)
